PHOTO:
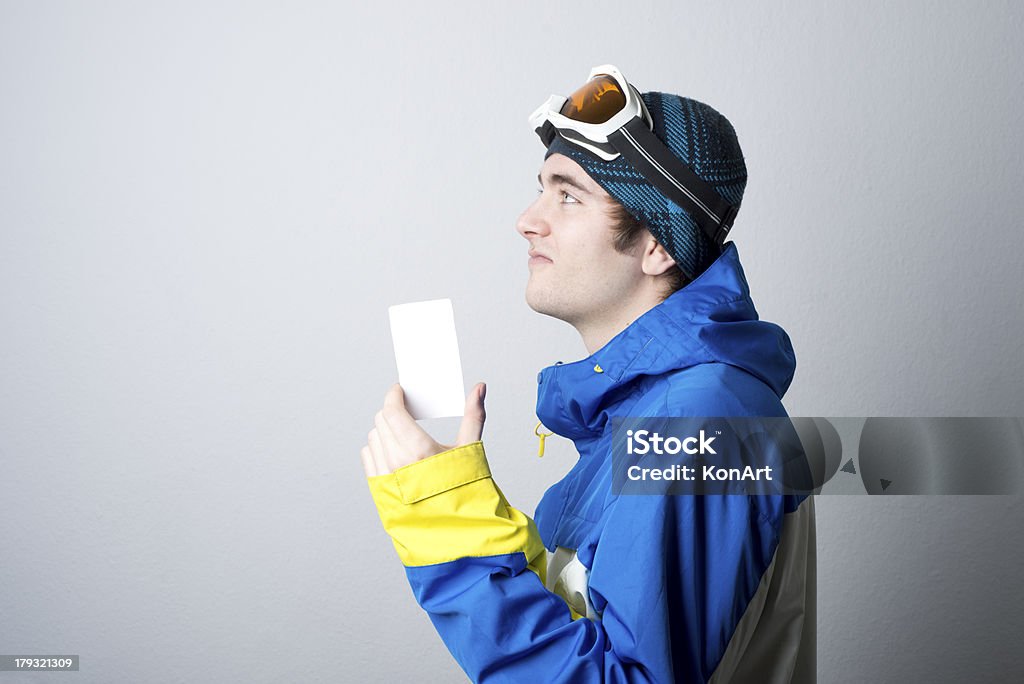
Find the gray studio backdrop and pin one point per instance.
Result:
(205, 209)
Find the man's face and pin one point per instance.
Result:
(576, 274)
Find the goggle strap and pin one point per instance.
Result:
(547, 132)
(678, 182)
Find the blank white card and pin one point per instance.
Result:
(427, 355)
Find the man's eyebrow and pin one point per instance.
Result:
(562, 179)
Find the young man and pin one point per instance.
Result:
(626, 243)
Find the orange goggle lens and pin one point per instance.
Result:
(598, 100)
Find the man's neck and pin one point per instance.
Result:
(597, 332)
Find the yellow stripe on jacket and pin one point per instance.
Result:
(447, 507)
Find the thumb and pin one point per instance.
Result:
(472, 427)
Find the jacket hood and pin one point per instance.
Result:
(711, 320)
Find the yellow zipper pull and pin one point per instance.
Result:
(542, 436)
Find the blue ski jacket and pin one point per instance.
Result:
(637, 588)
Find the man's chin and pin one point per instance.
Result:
(545, 307)
(535, 301)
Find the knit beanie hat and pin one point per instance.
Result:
(702, 139)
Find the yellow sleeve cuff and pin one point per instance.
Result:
(447, 507)
(441, 472)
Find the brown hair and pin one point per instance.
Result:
(628, 232)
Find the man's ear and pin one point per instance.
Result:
(656, 260)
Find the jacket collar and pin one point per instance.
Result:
(712, 319)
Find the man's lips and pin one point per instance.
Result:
(538, 258)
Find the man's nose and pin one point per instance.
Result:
(532, 221)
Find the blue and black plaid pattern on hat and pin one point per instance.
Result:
(705, 141)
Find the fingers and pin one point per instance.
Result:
(404, 428)
(381, 446)
(390, 446)
(395, 398)
(396, 439)
(472, 427)
(376, 449)
(369, 466)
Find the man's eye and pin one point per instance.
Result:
(569, 199)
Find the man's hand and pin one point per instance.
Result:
(397, 439)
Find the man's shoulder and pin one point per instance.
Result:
(710, 389)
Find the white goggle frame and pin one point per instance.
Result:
(594, 137)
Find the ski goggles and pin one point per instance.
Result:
(607, 117)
